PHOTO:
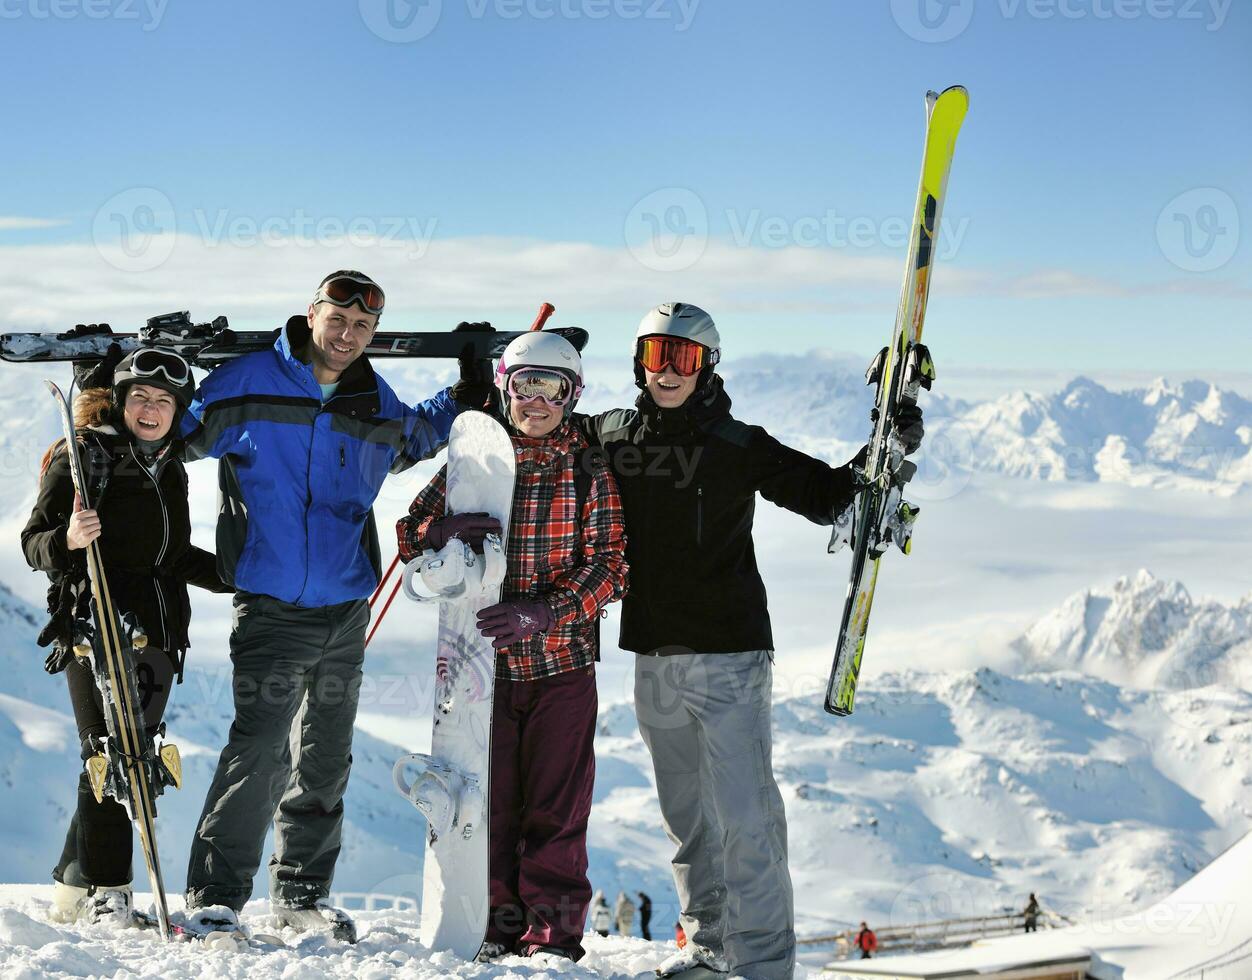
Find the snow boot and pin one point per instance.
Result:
(111, 904)
(492, 951)
(323, 918)
(68, 902)
(555, 951)
(211, 919)
(694, 963)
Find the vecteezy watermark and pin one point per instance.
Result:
(303, 230)
(406, 21)
(1198, 231)
(134, 230)
(401, 21)
(668, 230)
(833, 230)
(147, 13)
(936, 21)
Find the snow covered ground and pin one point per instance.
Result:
(1036, 713)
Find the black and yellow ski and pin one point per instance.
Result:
(130, 767)
(880, 516)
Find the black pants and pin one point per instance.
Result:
(645, 923)
(98, 844)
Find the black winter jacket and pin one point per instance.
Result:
(688, 479)
(145, 539)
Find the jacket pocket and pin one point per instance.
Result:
(699, 515)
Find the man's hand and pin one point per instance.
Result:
(469, 527)
(908, 426)
(511, 622)
(475, 388)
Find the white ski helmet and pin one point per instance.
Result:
(541, 350)
(680, 320)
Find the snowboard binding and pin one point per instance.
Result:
(456, 572)
(448, 799)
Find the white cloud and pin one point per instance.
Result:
(17, 223)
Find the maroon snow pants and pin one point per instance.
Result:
(542, 772)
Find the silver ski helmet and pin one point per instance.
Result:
(547, 351)
(686, 321)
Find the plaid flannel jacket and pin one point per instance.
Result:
(577, 566)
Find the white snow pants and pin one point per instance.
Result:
(705, 718)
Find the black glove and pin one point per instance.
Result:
(472, 370)
(908, 426)
(98, 374)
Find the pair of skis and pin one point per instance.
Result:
(209, 344)
(880, 516)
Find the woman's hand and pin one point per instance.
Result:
(84, 527)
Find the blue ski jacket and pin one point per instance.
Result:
(298, 477)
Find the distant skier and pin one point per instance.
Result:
(1031, 913)
(306, 433)
(645, 916)
(601, 915)
(565, 557)
(866, 942)
(624, 914)
(126, 417)
(696, 614)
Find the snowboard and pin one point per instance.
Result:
(452, 786)
(130, 766)
(880, 516)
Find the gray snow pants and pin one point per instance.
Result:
(297, 679)
(706, 721)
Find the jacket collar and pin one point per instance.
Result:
(705, 406)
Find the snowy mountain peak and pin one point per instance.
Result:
(1144, 632)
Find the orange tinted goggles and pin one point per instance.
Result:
(686, 357)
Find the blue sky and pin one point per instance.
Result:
(496, 153)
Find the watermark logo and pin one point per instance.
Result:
(1198, 231)
(401, 21)
(147, 13)
(932, 21)
(668, 230)
(135, 230)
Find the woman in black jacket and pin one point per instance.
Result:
(136, 479)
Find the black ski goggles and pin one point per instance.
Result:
(148, 362)
(345, 291)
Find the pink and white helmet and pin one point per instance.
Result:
(548, 351)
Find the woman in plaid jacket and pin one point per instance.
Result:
(566, 562)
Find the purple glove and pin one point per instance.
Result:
(514, 621)
(470, 528)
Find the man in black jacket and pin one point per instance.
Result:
(696, 613)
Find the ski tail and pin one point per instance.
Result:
(880, 516)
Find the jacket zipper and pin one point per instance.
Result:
(699, 515)
(165, 540)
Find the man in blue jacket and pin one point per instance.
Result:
(305, 434)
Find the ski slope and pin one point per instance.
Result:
(1201, 930)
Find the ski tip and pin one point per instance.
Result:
(545, 311)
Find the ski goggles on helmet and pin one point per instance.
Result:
(149, 362)
(686, 357)
(553, 387)
(345, 289)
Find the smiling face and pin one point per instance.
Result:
(339, 337)
(534, 417)
(668, 388)
(148, 412)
